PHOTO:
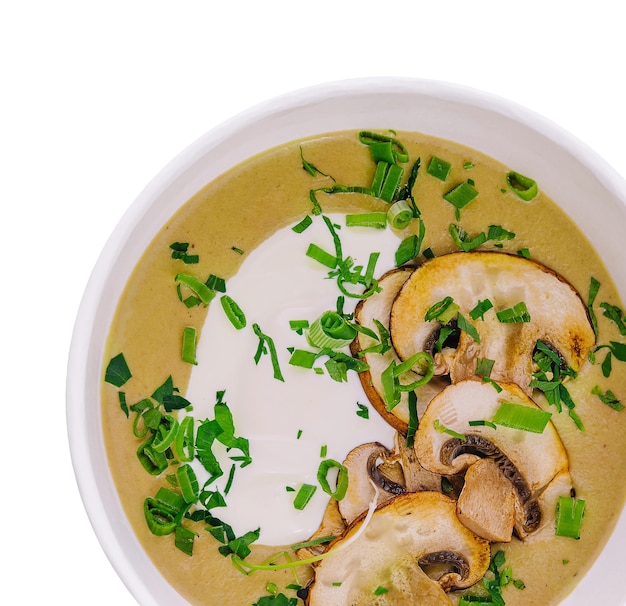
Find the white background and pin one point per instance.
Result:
(96, 97)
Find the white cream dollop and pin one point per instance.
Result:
(287, 423)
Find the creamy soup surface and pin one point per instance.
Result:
(225, 225)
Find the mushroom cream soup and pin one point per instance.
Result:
(369, 368)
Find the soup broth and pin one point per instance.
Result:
(224, 224)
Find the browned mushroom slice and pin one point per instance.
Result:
(361, 464)
(378, 307)
(409, 531)
(528, 460)
(556, 315)
(332, 526)
(486, 504)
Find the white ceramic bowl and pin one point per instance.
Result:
(585, 186)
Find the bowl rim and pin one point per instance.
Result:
(85, 354)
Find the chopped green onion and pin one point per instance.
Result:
(188, 350)
(313, 542)
(443, 311)
(303, 496)
(410, 247)
(233, 312)
(382, 151)
(184, 442)
(331, 331)
(302, 225)
(298, 325)
(399, 151)
(376, 220)
(519, 416)
(594, 287)
(413, 423)
(341, 486)
(117, 371)
(321, 256)
(484, 366)
(400, 214)
(379, 177)
(161, 519)
(237, 250)
(608, 398)
(482, 423)
(569, 517)
(467, 327)
(166, 433)
(517, 314)
(524, 252)
(184, 538)
(155, 463)
(199, 288)
(391, 184)
(525, 187)
(441, 428)
(439, 168)
(187, 482)
(266, 345)
(461, 195)
(482, 307)
(303, 358)
(216, 283)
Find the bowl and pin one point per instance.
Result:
(587, 189)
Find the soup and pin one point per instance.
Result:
(232, 399)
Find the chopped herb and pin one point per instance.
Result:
(299, 435)
(341, 485)
(196, 286)
(303, 358)
(117, 371)
(467, 327)
(303, 496)
(594, 287)
(266, 345)
(380, 590)
(525, 187)
(441, 428)
(216, 283)
(321, 256)
(482, 423)
(484, 366)
(302, 225)
(615, 314)
(233, 312)
(298, 325)
(519, 416)
(390, 377)
(501, 577)
(517, 314)
(443, 311)
(410, 247)
(569, 517)
(184, 539)
(482, 307)
(363, 411)
(313, 542)
(524, 252)
(608, 398)
(188, 348)
(179, 251)
(439, 168)
(121, 396)
(400, 153)
(377, 220)
(413, 423)
(461, 195)
(237, 250)
(311, 168)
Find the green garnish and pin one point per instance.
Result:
(461, 195)
(363, 411)
(410, 247)
(303, 496)
(321, 256)
(441, 428)
(377, 220)
(390, 377)
(517, 314)
(439, 168)
(482, 307)
(400, 214)
(524, 252)
(311, 168)
(196, 286)
(569, 517)
(179, 251)
(519, 416)
(443, 311)
(400, 153)
(188, 348)
(341, 485)
(482, 423)
(266, 346)
(188, 483)
(239, 251)
(233, 312)
(608, 398)
(594, 287)
(413, 423)
(466, 243)
(313, 542)
(279, 599)
(467, 327)
(299, 325)
(525, 187)
(484, 366)
(117, 371)
(615, 314)
(331, 330)
(380, 590)
(302, 225)
(216, 283)
(303, 358)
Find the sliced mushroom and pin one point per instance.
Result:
(361, 464)
(378, 307)
(332, 526)
(486, 504)
(558, 315)
(409, 531)
(528, 460)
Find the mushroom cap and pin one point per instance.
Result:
(378, 307)
(558, 315)
(411, 530)
(529, 460)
